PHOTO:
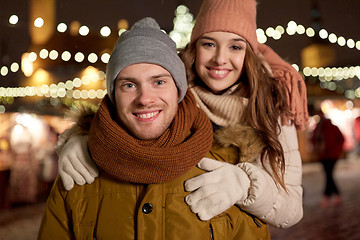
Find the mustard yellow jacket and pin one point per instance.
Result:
(109, 209)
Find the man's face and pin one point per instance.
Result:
(146, 99)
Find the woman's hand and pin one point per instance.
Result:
(217, 190)
(75, 163)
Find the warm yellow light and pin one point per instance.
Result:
(276, 35)
(41, 76)
(262, 38)
(84, 30)
(105, 58)
(4, 71)
(66, 56)
(92, 94)
(61, 85)
(280, 29)
(270, 31)
(69, 85)
(181, 10)
(121, 31)
(61, 92)
(77, 82)
(44, 89)
(310, 32)
(341, 41)
(90, 70)
(307, 71)
(44, 53)
(358, 45)
(92, 57)
(76, 94)
(123, 24)
(175, 36)
(105, 31)
(300, 29)
(14, 67)
(2, 109)
(13, 19)
(53, 54)
(74, 27)
(79, 57)
(39, 22)
(291, 28)
(323, 33)
(295, 66)
(350, 43)
(61, 27)
(26, 65)
(100, 93)
(32, 57)
(332, 38)
(84, 94)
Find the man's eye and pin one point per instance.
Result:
(128, 85)
(159, 82)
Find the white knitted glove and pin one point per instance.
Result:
(75, 163)
(217, 190)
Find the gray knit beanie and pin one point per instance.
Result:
(145, 43)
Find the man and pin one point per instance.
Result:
(147, 137)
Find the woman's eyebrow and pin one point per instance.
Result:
(233, 39)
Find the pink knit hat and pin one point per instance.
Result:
(235, 16)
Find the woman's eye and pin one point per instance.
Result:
(235, 47)
(208, 44)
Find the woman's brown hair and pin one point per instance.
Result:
(267, 104)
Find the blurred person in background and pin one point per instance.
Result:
(24, 167)
(328, 142)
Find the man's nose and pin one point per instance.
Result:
(146, 96)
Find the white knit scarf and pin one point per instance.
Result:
(223, 110)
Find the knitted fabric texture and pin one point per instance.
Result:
(127, 158)
(223, 110)
(146, 43)
(235, 16)
(293, 83)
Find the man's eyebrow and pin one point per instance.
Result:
(162, 75)
(125, 78)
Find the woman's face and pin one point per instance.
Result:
(219, 59)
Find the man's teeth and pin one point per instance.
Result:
(147, 115)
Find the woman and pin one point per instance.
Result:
(240, 85)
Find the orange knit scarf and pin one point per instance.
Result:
(127, 158)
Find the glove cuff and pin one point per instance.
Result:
(243, 180)
(256, 183)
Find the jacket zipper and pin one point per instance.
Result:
(211, 232)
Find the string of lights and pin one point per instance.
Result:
(183, 24)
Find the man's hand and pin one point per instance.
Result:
(217, 190)
(75, 163)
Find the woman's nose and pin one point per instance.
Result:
(220, 56)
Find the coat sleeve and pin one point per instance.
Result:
(55, 221)
(270, 202)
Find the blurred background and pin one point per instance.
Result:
(53, 55)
